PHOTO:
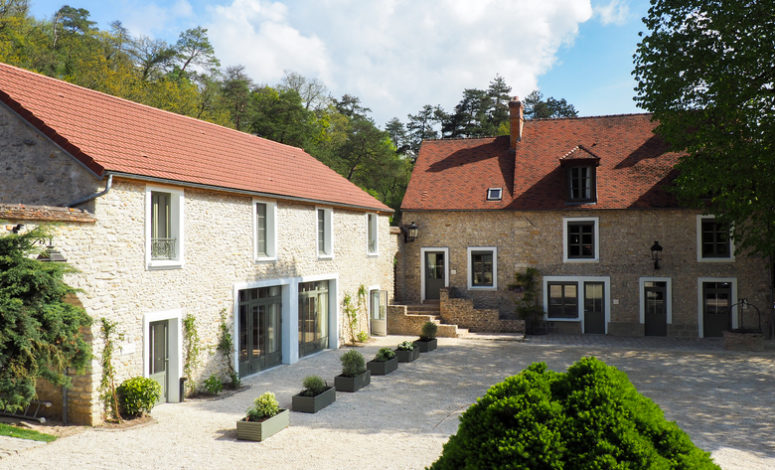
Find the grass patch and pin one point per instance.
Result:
(21, 433)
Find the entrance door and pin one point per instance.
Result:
(594, 309)
(716, 312)
(655, 308)
(378, 309)
(313, 317)
(158, 357)
(259, 329)
(434, 274)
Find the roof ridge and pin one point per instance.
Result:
(596, 116)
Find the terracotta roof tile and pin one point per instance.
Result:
(635, 167)
(116, 135)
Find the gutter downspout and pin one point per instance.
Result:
(95, 195)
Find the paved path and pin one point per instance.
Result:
(724, 400)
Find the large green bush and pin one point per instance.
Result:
(591, 417)
(136, 396)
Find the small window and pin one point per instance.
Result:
(482, 268)
(563, 300)
(580, 239)
(371, 227)
(324, 230)
(714, 242)
(581, 184)
(494, 194)
(265, 230)
(164, 240)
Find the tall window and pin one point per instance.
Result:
(482, 268)
(581, 181)
(325, 235)
(563, 300)
(164, 213)
(580, 239)
(371, 227)
(265, 230)
(714, 240)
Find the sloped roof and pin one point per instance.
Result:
(635, 167)
(110, 134)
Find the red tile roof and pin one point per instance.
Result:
(110, 134)
(635, 167)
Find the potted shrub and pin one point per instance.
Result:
(263, 419)
(529, 308)
(354, 373)
(315, 396)
(383, 363)
(427, 341)
(406, 352)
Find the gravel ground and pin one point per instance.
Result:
(724, 400)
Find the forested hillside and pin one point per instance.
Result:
(187, 78)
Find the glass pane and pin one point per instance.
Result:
(374, 307)
(243, 333)
(261, 229)
(255, 347)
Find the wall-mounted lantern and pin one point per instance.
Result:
(656, 254)
(51, 254)
(410, 232)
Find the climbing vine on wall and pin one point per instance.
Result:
(108, 382)
(192, 350)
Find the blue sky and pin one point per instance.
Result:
(397, 55)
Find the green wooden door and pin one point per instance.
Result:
(159, 356)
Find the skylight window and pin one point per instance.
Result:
(494, 194)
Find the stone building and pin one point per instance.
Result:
(583, 201)
(177, 217)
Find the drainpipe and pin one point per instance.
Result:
(95, 195)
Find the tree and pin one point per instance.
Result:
(397, 133)
(235, 90)
(706, 70)
(153, 56)
(538, 108)
(39, 332)
(194, 48)
(281, 116)
(313, 92)
(422, 126)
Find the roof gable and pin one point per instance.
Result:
(110, 134)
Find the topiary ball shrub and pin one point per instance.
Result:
(429, 330)
(136, 396)
(313, 385)
(352, 363)
(384, 355)
(263, 407)
(591, 417)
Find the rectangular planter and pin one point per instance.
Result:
(382, 367)
(425, 346)
(407, 356)
(352, 384)
(261, 430)
(313, 404)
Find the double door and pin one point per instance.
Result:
(313, 317)
(260, 314)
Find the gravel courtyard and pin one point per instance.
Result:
(724, 400)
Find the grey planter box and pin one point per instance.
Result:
(261, 430)
(352, 384)
(407, 356)
(425, 346)
(382, 367)
(313, 404)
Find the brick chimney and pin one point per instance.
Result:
(517, 120)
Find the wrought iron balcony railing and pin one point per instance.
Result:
(163, 248)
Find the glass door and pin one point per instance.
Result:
(434, 274)
(158, 357)
(260, 313)
(594, 309)
(716, 308)
(378, 310)
(655, 308)
(313, 317)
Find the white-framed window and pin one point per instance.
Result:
(714, 240)
(372, 237)
(265, 230)
(324, 218)
(567, 298)
(654, 290)
(483, 267)
(494, 194)
(580, 240)
(581, 184)
(163, 227)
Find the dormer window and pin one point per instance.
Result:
(581, 184)
(494, 194)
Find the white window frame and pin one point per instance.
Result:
(733, 301)
(329, 233)
(579, 280)
(491, 192)
(271, 231)
(372, 225)
(596, 231)
(177, 223)
(702, 259)
(668, 301)
(494, 251)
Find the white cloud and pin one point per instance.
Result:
(615, 12)
(151, 19)
(397, 55)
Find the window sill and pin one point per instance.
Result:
(326, 257)
(482, 287)
(581, 260)
(716, 260)
(372, 255)
(564, 319)
(164, 264)
(265, 260)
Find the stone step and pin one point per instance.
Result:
(423, 308)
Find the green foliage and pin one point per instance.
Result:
(137, 396)
(264, 406)
(226, 347)
(405, 346)
(352, 309)
(213, 385)
(384, 354)
(352, 363)
(191, 338)
(591, 417)
(538, 108)
(429, 330)
(22, 433)
(110, 401)
(528, 307)
(363, 336)
(313, 385)
(704, 70)
(40, 333)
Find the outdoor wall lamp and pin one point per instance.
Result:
(51, 254)
(410, 232)
(656, 254)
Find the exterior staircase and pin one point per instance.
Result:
(409, 319)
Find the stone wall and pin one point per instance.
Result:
(535, 239)
(461, 312)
